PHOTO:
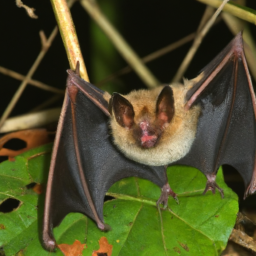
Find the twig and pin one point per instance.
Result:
(28, 77)
(169, 48)
(184, 65)
(46, 103)
(69, 37)
(150, 57)
(125, 50)
(234, 9)
(33, 120)
(196, 44)
(29, 10)
(209, 11)
(45, 46)
(33, 82)
(242, 239)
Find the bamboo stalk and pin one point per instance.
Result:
(239, 11)
(69, 37)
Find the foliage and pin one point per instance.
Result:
(198, 225)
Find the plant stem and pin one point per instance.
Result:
(239, 11)
(69, 37)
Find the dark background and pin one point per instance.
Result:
(147, 25)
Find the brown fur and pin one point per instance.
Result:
(177, 137)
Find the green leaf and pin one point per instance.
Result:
(199, 225)
(19, 227)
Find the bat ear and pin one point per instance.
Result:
(122, 109)
(165, 105)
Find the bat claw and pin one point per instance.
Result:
(166, 192)
(212, 185)
(49, 242)
(176, 199)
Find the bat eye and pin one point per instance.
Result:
(165, 105)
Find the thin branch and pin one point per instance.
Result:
(209, 11)
(33, 120)
(46, 104)
(45, 46)
(28, 77)
(169, 48)
(35, 83)
(242, 239)
(150, 57)
(196, 44)
(69, 37)
(29, 10)
(239, 11)
(184, 65)
(125, 50)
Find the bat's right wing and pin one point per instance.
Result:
(226, 132)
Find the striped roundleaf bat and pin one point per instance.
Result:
(207, 122)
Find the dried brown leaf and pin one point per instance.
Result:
(74, 249)
(105, 247)
(38, 188)
(33, 138)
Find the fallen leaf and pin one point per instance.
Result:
(74, 249)
(105, 248)
(33, 138)
(38, 188)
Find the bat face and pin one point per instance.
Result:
(151, 126)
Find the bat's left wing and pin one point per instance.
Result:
(85, 163)
(226, 132)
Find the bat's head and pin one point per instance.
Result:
(147, 121)
(152, 126)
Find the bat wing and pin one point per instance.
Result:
(226, 132)
(85, 163)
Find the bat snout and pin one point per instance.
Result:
(148, 141)
(148, 135)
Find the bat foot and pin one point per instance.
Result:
(166, 192)
(212, 185)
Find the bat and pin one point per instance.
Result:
(85, 162)
(100, 139)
